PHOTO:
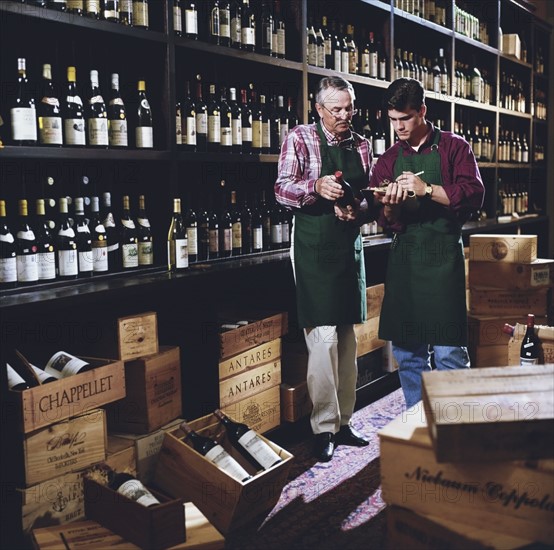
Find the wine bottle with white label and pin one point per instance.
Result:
(144, 131)
(8, 260)
(23, 111)
(110, 10)
(128, 238)
(26, 246)
(140, 14)
(84, 240)
(99, 238)
(97, 115)
(117, 116)
(49, 114)
(73, 113)
(145, 238)
(112, 233)
(126, 12)
(177, 242)
(62, 365)
(66, 244)
(130, 487)
(46, 255)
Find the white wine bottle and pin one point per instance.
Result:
(117, 116)
(49, 115)
(26, 246)
(62, 365)
(23, 111)
(73, 113)
(177, 243)
(97, 116)
(8, 260)
(145, 238)
(128, 238)
(46, 255)
(66, 244)
(144, 132)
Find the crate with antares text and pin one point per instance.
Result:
(228, 503)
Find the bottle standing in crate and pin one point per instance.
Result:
(249, 443)
(530, 345)
(63, 364)
(215, 453)
(130, 487)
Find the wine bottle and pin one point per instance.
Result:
(15, 381)
(140, 14)
(215, 453)
(97, 116)
(226, 133)
(49, 117)
(246, 123)
(26, 247)
(225, 226)
(75, 6)
(62, 365)
(83, 238)
(99, 238)
(188, 120)
(246, 228)
(285, 227)
(145, 238)
(224, 23)
(214, 121)
(112, 233)
(236, 226)
(66, 245)
(73, 113)
(312, 44)
(46, 255)
(214, 22)
(276, 227)
(257, 228)
(191, 226)
(144, 132)
(279, 34)
(130, 487)
(213, 249)
(257, 124)
(23, 111)
(236, 122)
(266, 29)
(177, 18)
(348, 198)
(203, 220)
(110, 11)
(275, 108)
(92, 9)
(201, 118)
(8, 252)
(117, 116)
(265, 211)
(125, 15)
(247, 27)
(191, 20)
(128, 237)
(235, 18)
(249, 443)
(177, 246)
(530, 345)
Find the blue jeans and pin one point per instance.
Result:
(415, 360)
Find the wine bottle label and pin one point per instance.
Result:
(178, 129)
(257, 236)
(312, 55)
(63, 364)
(96, 99)
(266, 134)
(68, 263)
(7, 238)
(14, 379)
(42, 376)
(283, 132)
(75, 99)
(224, 24)
(320, 57)
(227, 240)
(379, 146)
(144, 136)
(247, 36)
(46, 265)
(285, 232)
(236, 232)
(143, 222)
(247, 134)
(74, 4)
(189, 136)
(345, 62)
(74, 131)
(24, 125)
(181, 254)
(140, 14)
(99, 256)
(276, 234)
(259, 449)
(192, 237)
(224, 461)
(364, 64)
(202, 123)
(226, 136)
(129, 254)
(27, 268)
(235, 30)
(236, 131)
(214, 241)
(86, 261)
(67, 232)
(257, 134)
(117, 130)
(191, 22)
(136, 491)
(98, 131)
(214, 128)
(50, 130)
(8, 270)
(93, 6)
(145, 253)
(177, 21)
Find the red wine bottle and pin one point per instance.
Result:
(348, 198)
(530, 345)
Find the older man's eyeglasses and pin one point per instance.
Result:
(340, 113)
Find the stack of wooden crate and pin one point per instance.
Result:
(472, 466)
(506, 282)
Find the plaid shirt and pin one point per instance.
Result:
(300, 163)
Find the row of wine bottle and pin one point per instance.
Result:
(72, 123)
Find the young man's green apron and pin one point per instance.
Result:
(328, 252)
(425, 300)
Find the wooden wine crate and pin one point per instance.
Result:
(121, 455)
(56, 401)
(488, 356)
(367, 336)
(147, 447)
(250, 359)
(262, 412)
(406, 529)
(503, 248)
(201, 535)
(509, 302)
(227, 503)
(546, 343)
(295, 401)
(511, 497)
(483, 415)
(153, 527)
(153, 393)
(249, 383)
(374, 299)
(513, 276)
(486, 330)
(64, 447)
(263, 327)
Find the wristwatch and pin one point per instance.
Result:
(428, 190)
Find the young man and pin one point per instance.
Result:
(327, 256)
(435, 185)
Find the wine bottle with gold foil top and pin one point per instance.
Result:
(117, 116)
(23, 111)
(128, 237)
(144, 131)
(177, 245)
(26, 246)
(8, 260)
(49, 115)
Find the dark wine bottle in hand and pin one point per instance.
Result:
(348, 199)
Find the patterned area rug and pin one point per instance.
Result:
(329, 505)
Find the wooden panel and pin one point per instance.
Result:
(503, 248)
(515, 276)
(137, 335)
(259, 355)
(509, 302)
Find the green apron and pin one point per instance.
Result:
(425, 298)
(328, 252)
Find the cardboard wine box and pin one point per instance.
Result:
(503, 248)
(484, 415)
(512, 276)
(153, 527)
(153, 393)
(227, 503)
(511, 497)
(43, 405)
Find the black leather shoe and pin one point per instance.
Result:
(349, 436)
(324, 446)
